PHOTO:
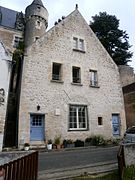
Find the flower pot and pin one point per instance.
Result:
(49, 146)
(26, 148)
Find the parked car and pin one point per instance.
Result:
(129, 136)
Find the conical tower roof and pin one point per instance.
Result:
(38, 2)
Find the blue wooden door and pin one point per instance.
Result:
(116, 124)
(37, 127)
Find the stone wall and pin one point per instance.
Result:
(7, 37)
(37, 88)
(129, 154)
(129, 99)
(126, 75)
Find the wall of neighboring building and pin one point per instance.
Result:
(129, 99)
(126, 75)
(7, 36)
(5, 70)
(54, 98)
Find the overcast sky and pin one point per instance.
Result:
(123, 9)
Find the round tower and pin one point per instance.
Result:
(36, 19)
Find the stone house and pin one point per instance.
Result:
(70, 85)
(5, 71)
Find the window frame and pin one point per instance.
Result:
(78, 44)
(77, 128)
(79, 76)
(59, 79)
(93, 78)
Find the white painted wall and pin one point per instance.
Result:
(5, 71)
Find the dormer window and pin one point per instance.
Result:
(78, 44)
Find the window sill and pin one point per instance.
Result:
(77, 84)
(79, 50)
(57, 81)
(94, 86)
(69, 130)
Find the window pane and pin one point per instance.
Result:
(93, 78)
(78, 117)
(76, 75)
(75, 43)
(56, 72)
(81, 44)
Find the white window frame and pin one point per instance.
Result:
(77, 118)
(78, 44)
(93, 78)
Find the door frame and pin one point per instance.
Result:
(42, 114)
(117, 124)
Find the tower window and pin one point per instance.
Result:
(38, 24)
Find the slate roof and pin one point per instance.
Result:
(8, 17)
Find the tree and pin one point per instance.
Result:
(115, 41)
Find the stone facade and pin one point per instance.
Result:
(54, 97)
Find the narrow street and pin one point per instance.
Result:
(69, 160)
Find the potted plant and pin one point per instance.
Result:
(49, 144)
(57, 141)
(26, 146)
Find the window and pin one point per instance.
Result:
(37, 120)
(93, 78)
(76, 74)
(16, 41)
(38, 24)
(56, 72)
(100, 121)
(78, 44)
(78, 117)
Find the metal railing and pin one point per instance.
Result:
(24, 168)
(121, 162)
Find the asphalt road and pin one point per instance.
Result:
(78, 157)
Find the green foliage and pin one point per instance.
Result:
(57, 140)
(79, 143)
(26, 144)
(115, 41)
(49, 141)
(98, 140)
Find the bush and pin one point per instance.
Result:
(57, 140)
(79, 143)
(98, 140)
